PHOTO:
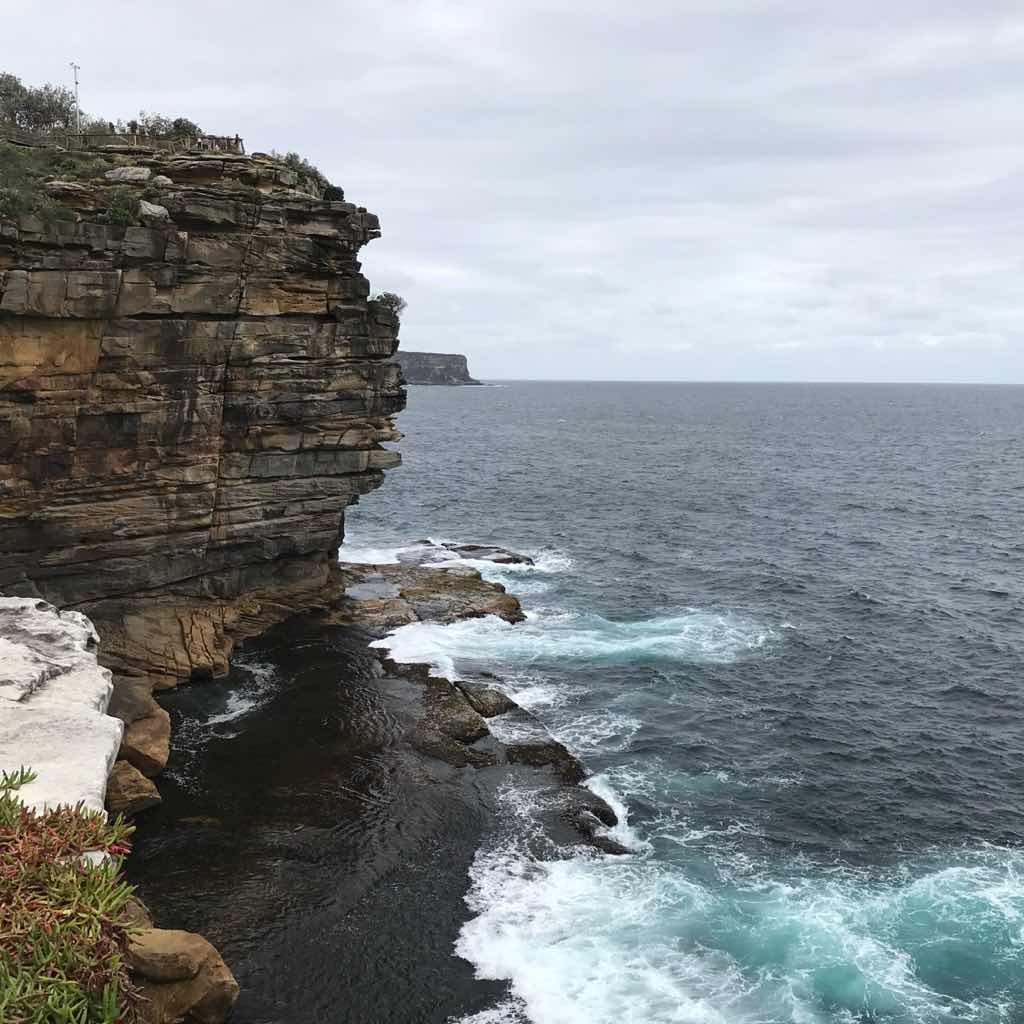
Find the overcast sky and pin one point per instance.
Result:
(656, 189)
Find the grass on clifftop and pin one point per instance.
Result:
(25, 170)
(63, 937)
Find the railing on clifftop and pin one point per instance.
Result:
(134, 140)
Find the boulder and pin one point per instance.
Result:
(550, 753)
(159, 954)
(147, 742)
(181, 977)
(453, 715)
(129, 791)
(152, 214)
(135, 175)
(486, 700)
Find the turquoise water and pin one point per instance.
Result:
(784, 627)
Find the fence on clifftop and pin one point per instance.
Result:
(134, 140)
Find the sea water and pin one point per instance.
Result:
(783, 625)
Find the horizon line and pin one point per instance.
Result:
(691, 380)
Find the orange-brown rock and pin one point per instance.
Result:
(146, 742)
(181, 977)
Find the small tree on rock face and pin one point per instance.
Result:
(395, 303)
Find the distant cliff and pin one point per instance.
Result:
(434, 368)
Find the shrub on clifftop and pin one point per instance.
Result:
(304, 169)
(390, 301)
(63, 937)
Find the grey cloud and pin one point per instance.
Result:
(753, 189)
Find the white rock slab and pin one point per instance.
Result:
(53, 699)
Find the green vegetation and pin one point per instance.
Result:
(389, 300)
(24, 171)
(62, 933)
(22, 175)
(305, 169)
(50, 109)
(122, 206)
(46, 109)
(148, 123)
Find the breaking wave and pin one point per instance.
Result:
(693, 636)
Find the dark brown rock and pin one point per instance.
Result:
(129, 791)
(550, 753)
(489, 553)
(488, 701)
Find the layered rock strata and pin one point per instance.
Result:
(194, 385)
(188, 402)
(434, 368)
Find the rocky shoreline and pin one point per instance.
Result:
(194, 385)
(342, 815)
(454, 726)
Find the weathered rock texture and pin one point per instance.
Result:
(434, 368)
(187, 405)
(53, 702)
(180, 977)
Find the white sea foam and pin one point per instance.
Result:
(255, 690)
(371, 555)
(693, 636)
(601, 731)
(604, 940)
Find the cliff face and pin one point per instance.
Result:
(434, 368)
(187, 403)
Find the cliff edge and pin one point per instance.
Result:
(194, 385)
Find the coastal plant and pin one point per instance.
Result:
(304, 168)
(23, 173)
(122, 206)
(392, 302)
(63, 934)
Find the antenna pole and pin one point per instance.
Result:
(78, 110)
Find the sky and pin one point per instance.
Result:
(659, 189)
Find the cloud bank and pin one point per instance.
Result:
(729, 189)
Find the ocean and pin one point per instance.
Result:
(783, 625)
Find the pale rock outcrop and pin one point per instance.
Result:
(128, 174)
(53, 702)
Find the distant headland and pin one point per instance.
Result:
(434, 368)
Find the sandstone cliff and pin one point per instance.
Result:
(188, 402)
(434, 368)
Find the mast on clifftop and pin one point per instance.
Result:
(78, 110)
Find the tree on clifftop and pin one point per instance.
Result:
(48, 108)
